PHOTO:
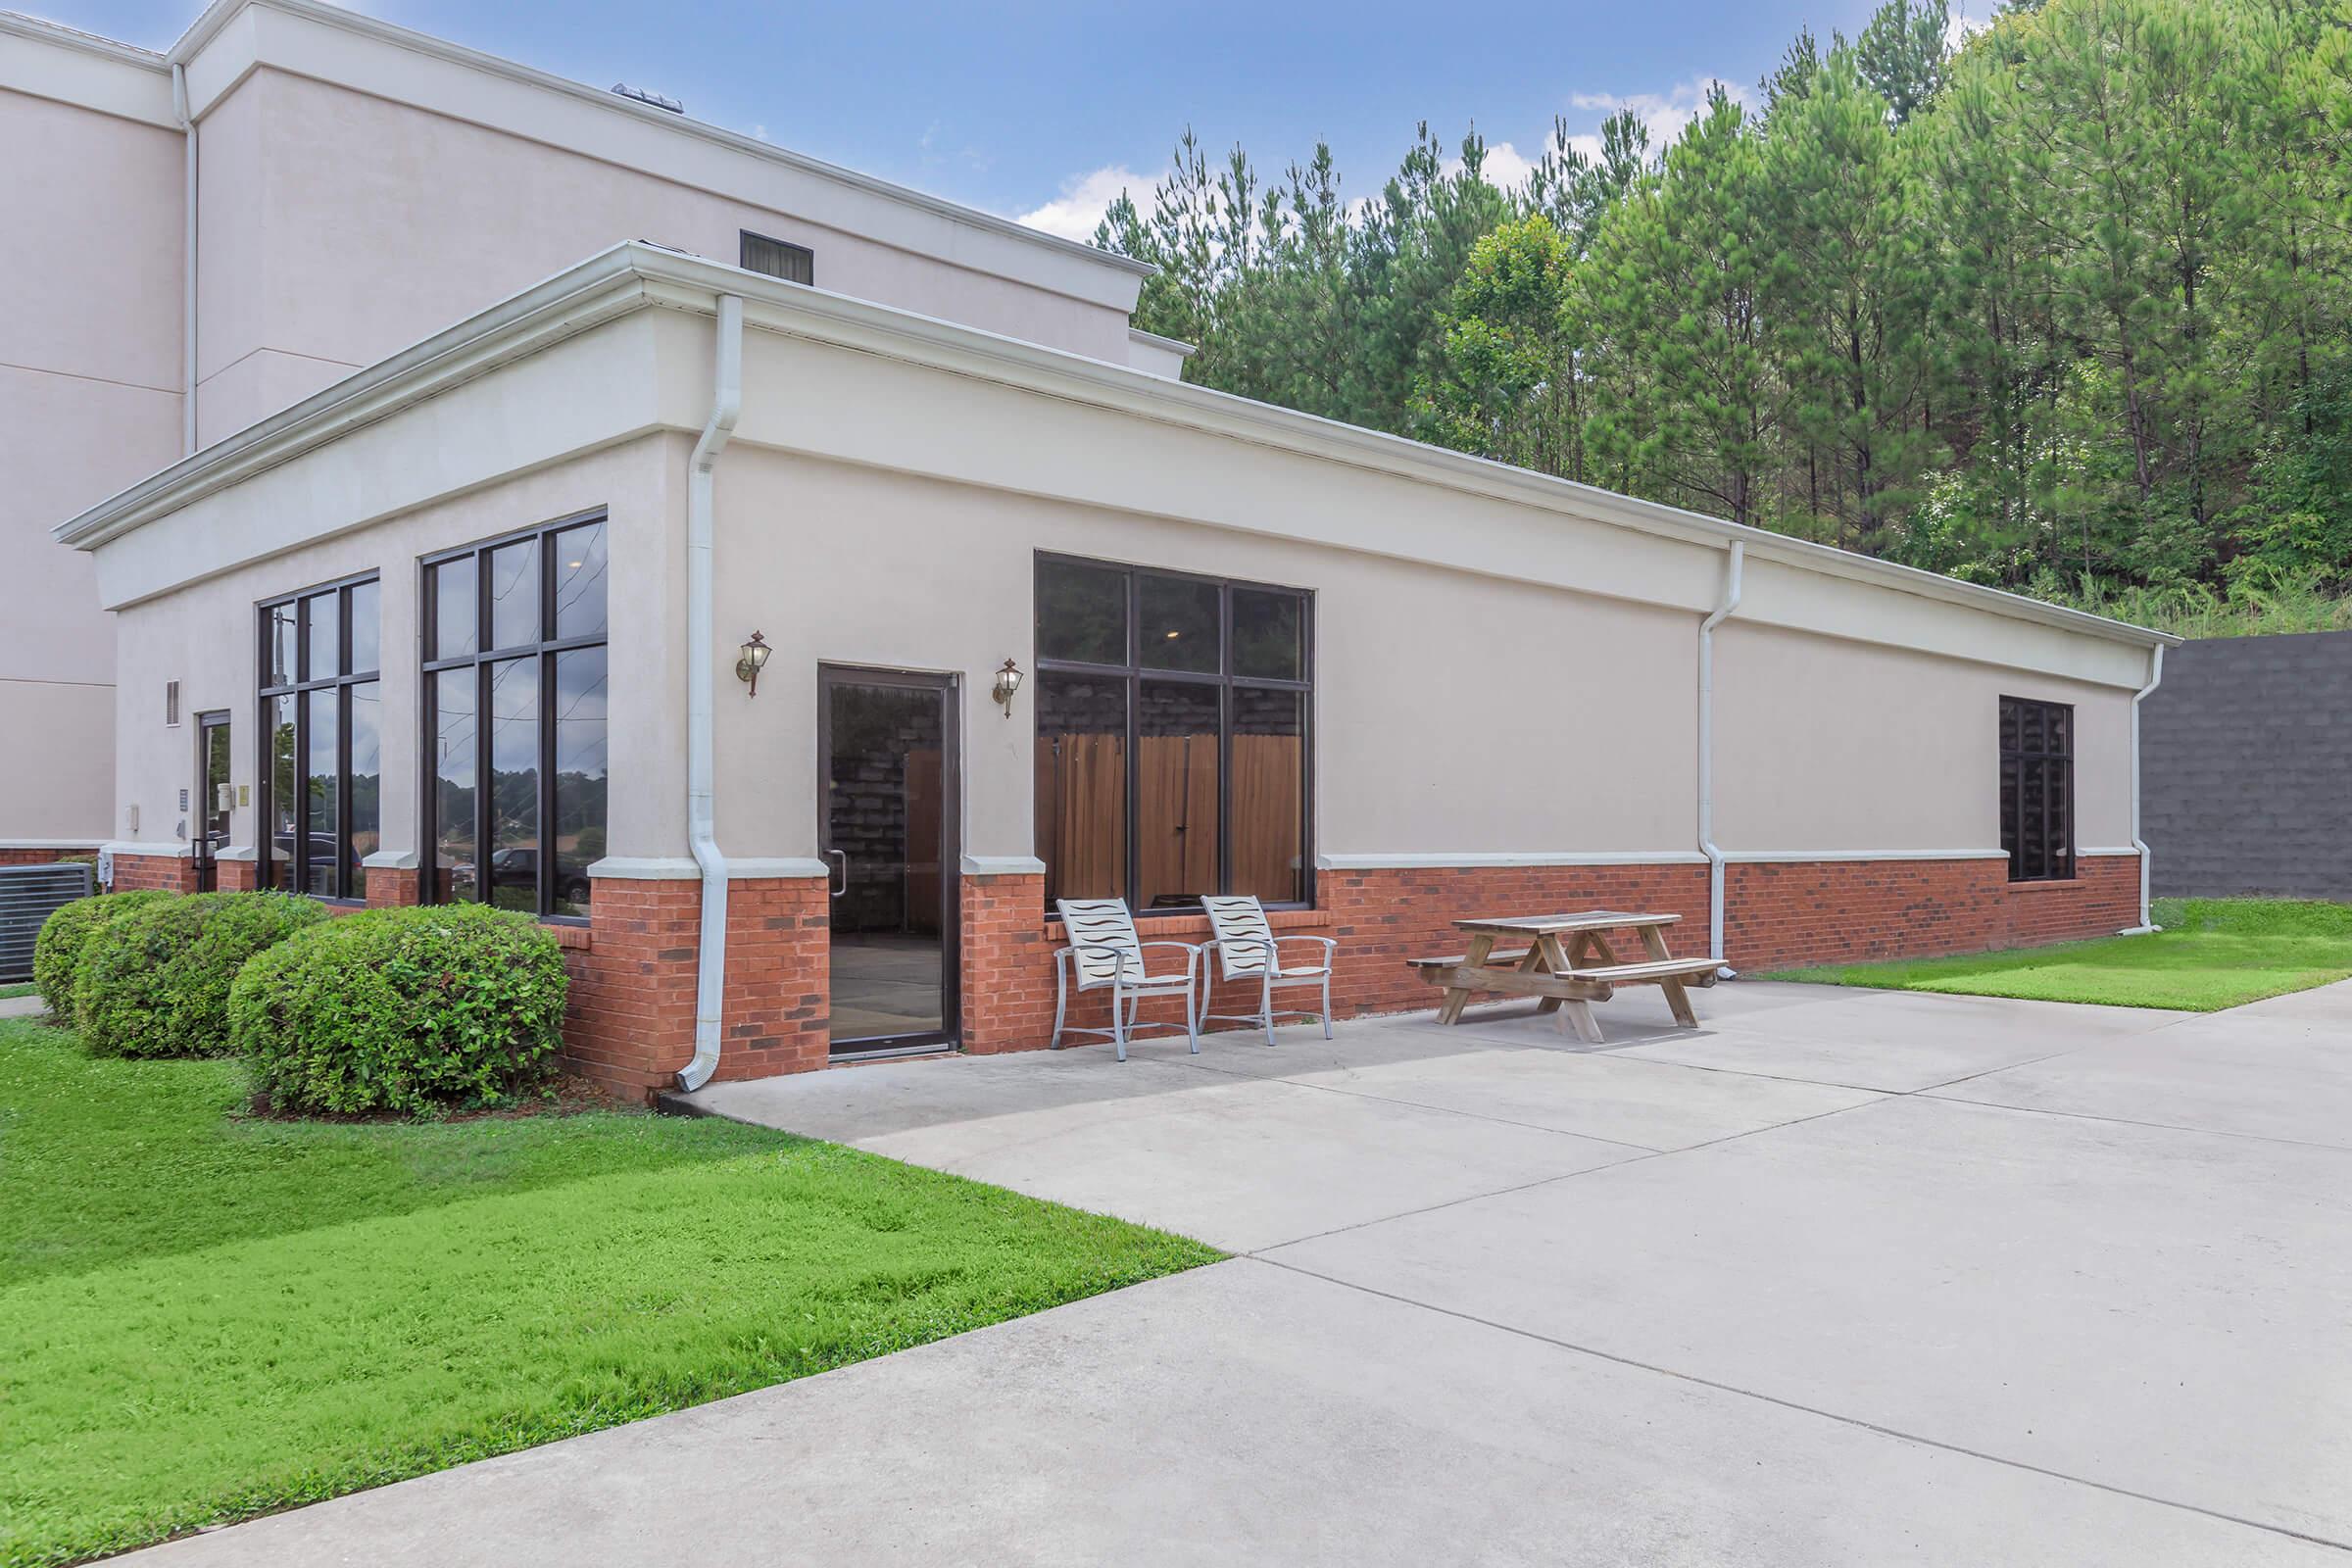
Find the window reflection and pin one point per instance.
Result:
(580, 762)
(366, 777)
(580, 570)
(283, 795)
(519, 804)
(455, 740)
(512, 587)
(515, 784)
(319, 723)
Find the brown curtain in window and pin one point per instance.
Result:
(1269, 796)
(1081, 813)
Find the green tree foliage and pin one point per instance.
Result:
(1503, 384)
(2066, 306)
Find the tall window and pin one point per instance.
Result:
(1172, 747)
(514, 718)
(2037, 789)
(323, 714)
(793, 263)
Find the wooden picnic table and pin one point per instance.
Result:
(1567, 963)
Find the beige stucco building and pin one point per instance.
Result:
(475, 616)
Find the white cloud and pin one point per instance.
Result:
(1505, 168)
(1663, 114)
(1961, 28)
(1085, 198)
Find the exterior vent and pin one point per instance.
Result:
(793, 263)
(27, 895)
(647, 95)
(172, 702)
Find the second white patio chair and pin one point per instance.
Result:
(1247, 949)
(1105, 952)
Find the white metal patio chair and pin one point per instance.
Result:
(1105, 952)
(1247, 949)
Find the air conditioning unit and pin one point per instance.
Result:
(29, 895)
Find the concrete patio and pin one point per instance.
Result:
(1842, 1277)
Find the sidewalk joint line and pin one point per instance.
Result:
(1880, 1430)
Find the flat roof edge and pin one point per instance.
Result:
(216, 15)
(42, 29)
(636, 275)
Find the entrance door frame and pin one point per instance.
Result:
(204, 857)
(950, 687)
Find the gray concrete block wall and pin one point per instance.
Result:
(2247, 767)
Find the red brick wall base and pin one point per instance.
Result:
(1777, 915)
(631, 1021)
(174, 873)
(1784, 915)
(21, 856)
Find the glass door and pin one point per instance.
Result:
(887, 822)
(208, 826)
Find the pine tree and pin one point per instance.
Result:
(1901, 53)
(1847, 289)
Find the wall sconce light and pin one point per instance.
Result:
(750, 659)
(1008, 682)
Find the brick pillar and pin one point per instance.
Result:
(1006, 994)
(630, 1024)
(173, 873)
(778, 1005)
(391, 887)
(233, 876)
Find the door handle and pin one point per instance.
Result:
(841, 861)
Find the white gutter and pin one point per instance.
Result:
(2147, 922)
(1734, 564)
(187, 261)
(711, 965)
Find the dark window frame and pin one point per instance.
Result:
(481, 659)
(788, 253)
(2058, 859)
(1134, 673)
(263, 859)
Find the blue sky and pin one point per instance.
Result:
(1042, 110)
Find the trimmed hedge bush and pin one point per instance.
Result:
(444, 1007)
(155, 981)
(64, 939)
(65, 936)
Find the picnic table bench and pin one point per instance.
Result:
(1567, 965)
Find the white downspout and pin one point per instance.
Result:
(1734, 568)
(2148, 921)
(187, 261)
(711, 965)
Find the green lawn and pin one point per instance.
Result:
(17, 988)
(204, 1316)
(2211, 953)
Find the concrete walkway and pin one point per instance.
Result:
(1844, 1277)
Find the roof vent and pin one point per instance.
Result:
(646, 95)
